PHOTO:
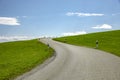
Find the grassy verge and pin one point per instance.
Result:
(108, 41)
(19, 57)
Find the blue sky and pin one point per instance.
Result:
(57, 17)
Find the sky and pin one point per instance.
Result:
(57, 17)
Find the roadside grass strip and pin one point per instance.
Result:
(19, 57)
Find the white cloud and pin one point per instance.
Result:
(21, 16)
(9, 21)
(115, 14)
(83, 14)
(104, 26)
(74, 33)
(14, 38)
(24, 16)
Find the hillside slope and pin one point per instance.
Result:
(21, 56)
(108, 41)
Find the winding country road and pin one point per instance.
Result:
(77, 63)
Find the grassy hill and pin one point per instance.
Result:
(21, 56)
(108, 41)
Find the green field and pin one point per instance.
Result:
(108, 41)
(21, 56)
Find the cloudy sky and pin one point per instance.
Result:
(57, 17)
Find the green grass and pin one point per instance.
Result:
(21, 56)
(108, 41)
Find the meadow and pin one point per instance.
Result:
(108, 41)
(19, 57)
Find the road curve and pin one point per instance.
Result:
(77, 63)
